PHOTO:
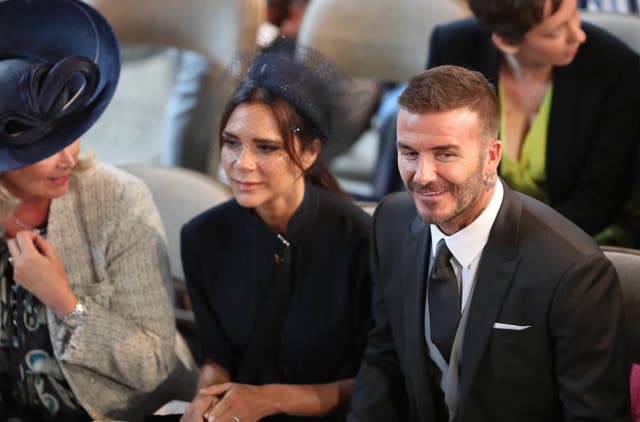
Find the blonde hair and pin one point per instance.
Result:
(9, 201)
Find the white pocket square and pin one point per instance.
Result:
(501, 326)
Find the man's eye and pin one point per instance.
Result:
(445, 156)
(408, 154)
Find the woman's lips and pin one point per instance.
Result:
(245, 186)
(59, 180)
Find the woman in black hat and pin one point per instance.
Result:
(278, 276)
(86, 325)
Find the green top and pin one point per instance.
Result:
(528, 174)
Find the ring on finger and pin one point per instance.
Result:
(235, 418)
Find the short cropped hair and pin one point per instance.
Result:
(510, 19)
(446, 88)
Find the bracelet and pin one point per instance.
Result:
(76, 317)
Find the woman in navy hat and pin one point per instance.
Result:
(86, 325)
(278, 276)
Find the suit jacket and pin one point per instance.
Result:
(593, 126)
(537, 270)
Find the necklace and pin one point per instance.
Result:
(23, 225)
(531, 90)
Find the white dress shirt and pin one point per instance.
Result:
(467, 245)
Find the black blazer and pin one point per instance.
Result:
(537, 269)
(594, 123)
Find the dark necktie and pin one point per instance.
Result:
(444, 301)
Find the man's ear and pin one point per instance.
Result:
(505, 45)
(493, 155)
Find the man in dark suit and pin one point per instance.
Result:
(533, 331)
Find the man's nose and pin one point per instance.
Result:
(425, 171)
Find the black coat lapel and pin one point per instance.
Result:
(563, 121)
(415, 262)
(496, 270)
(488, 59)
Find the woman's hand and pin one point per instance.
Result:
(210, 374)
(37, 268)
(239, 402)
(248, 403)
(199, 406)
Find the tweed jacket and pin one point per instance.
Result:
(109, 237)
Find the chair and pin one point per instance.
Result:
(624, 26)
(367, 206)
(216, 28)
(386, 41)
(380, 39)
(627, 263)
(180, 194)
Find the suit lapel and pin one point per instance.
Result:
(488, 61)
(563, 121)
(496, 270)
(414, 266)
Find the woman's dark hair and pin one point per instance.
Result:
(288, 121)
(510, 19)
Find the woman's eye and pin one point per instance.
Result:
(229, 142)
(554, 33)
(267, 148)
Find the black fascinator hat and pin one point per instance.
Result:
(301, 76)
(309, 83)
(59, 67)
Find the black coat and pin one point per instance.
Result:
(228, 260)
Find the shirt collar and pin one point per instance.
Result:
(468, 243)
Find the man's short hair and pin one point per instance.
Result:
(511, 19)
(446, 88)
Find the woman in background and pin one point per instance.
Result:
(278, 276)
(86, 326)
(570, 100)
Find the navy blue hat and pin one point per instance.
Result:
(306, 80)
(59, 67)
